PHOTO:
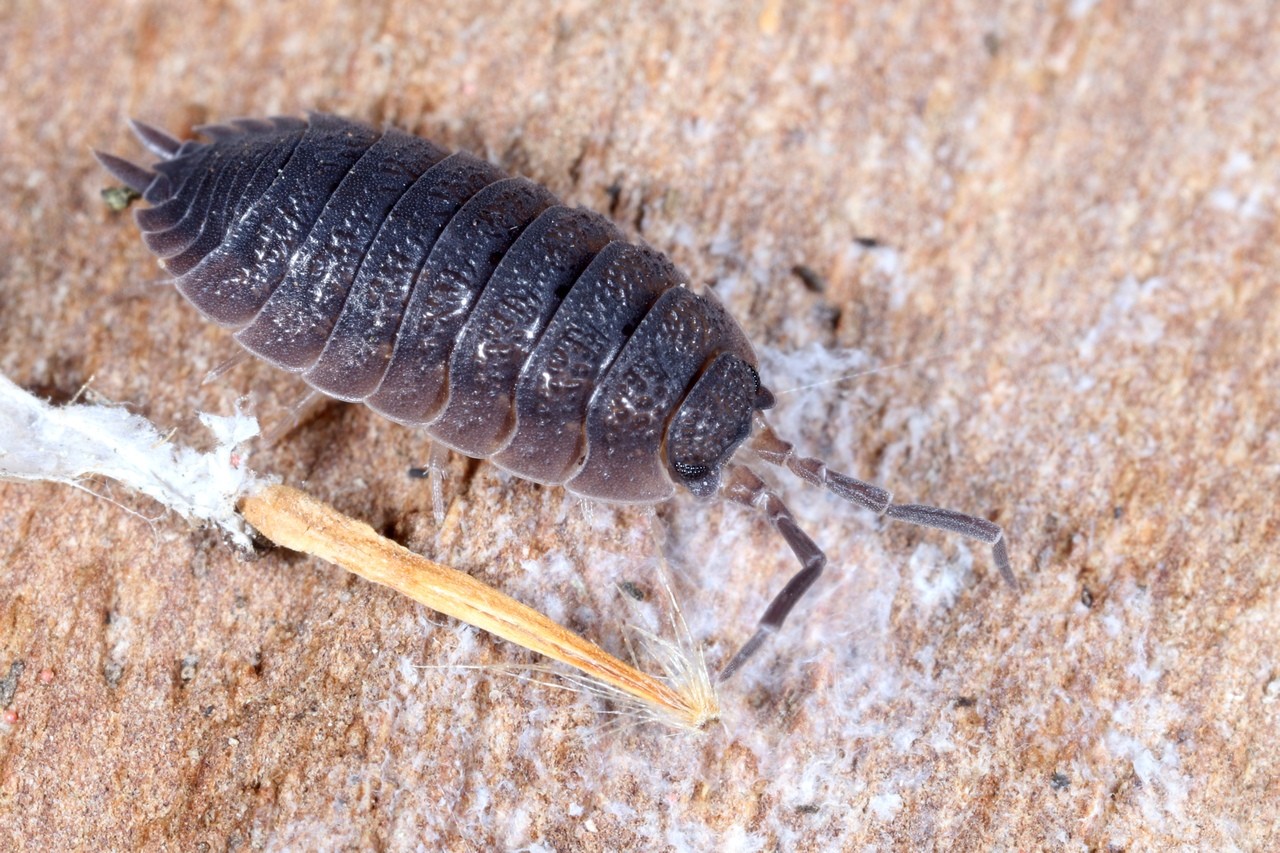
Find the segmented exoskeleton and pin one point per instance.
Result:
(446, 294)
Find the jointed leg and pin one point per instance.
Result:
(777, 451)
(300, 408)
(437, 465)
(741, 485)
(240, 357)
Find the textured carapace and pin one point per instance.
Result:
(446, 294)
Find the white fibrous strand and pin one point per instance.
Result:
(69, 444)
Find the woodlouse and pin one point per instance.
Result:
(446, 294)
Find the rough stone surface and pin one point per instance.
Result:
(1074, 205)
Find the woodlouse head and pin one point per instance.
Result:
(714, 419)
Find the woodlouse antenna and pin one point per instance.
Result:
(744, 486)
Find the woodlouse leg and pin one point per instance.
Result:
(296, 412)
(743, 486)
(229, 364)
(777, 451)
(437, 465)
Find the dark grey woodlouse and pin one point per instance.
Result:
(446, 294)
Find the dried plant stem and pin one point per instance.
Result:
(295, 520)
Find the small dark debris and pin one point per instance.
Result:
(9, 684)
(1059, 782)
(575, 168)
(868, 242)
(632, 590)
(991, 42)
(808, 808)
(1086, 597)
(516, 158)
(119, 198)
(419, 473)
(614, 191)
(207, 711)
(811, 279)
(966, 701)
(188, 666)
(1117, 512)
(113, 671)
(259, 545)
(249, 554)
(54, 395)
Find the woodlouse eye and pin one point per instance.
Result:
(691, 472)
(764, 398)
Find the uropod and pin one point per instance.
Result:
(446, 294)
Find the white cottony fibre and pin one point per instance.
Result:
(67, 444)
